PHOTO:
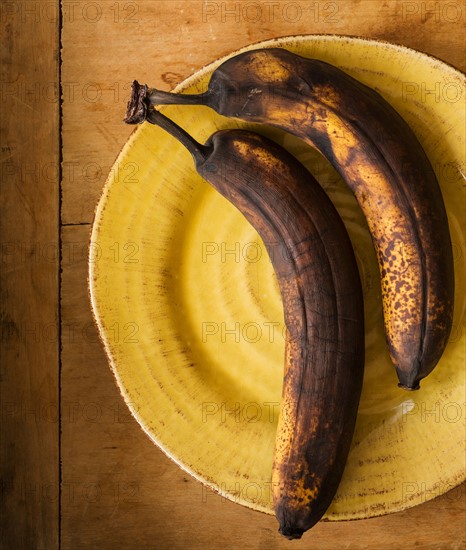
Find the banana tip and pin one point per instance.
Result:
(414, 387)
(290, 533)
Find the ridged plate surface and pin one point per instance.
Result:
(190, 315)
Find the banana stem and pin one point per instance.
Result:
(136, 109)
(198, 151)
(159, 97)
(143, 97)
(139, 110)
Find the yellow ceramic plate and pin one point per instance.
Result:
(190, 314)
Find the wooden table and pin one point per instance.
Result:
(76, 470)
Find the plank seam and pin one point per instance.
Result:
(60, 264)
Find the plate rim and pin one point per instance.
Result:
(190, 80)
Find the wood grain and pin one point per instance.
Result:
(29, 204)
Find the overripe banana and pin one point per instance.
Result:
(323, 308)
(379, 157)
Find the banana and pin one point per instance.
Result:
(323, 308)
(381, 160)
